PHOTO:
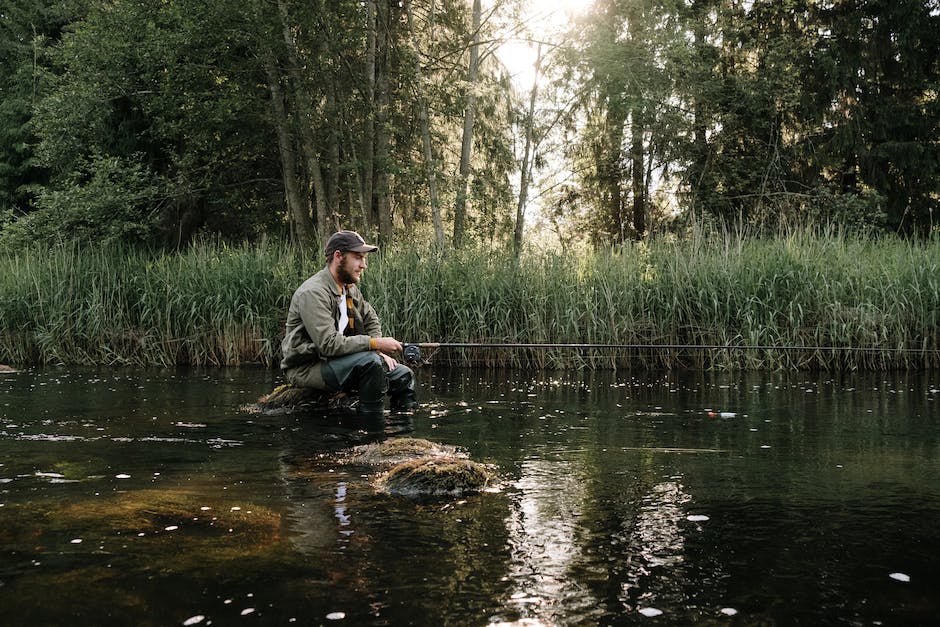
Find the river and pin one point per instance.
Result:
(148, 497)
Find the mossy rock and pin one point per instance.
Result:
(398, 450)
(435, 476)
(414, 467)
(289, 399)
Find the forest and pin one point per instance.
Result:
(157, 123)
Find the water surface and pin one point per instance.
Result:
(132, 497)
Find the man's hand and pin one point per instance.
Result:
(387, 345)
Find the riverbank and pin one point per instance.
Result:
(878, 299)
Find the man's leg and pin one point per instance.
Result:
(401, 388)
(363, 373)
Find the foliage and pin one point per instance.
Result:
(101, 202)
(160, 122)
(27, 28)
(756, 111)
(161, 92)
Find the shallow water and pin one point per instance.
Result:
(132, 497)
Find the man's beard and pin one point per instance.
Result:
(345, 276)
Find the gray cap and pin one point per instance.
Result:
(348, 241)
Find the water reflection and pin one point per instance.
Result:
(543, 528)
(317, 485)
(692, 497)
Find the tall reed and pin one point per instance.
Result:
(878, 299)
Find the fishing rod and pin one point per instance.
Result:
(413, 352)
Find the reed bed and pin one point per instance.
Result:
(804, 300)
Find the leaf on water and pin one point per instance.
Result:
(650, 612)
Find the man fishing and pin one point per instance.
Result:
(334, 339)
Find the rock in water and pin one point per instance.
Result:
(288, 399)
(398, 450)
(5, 369)
(435, 476)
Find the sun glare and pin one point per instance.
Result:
(559, 11)
(543, 20)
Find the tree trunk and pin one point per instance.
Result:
(612, 170)
(429, 166)
(466, 149)
(525, 173)
(367, 167)
(638, 172)
(381, 209)
(296, 209)
(304, 105)
(333, 182)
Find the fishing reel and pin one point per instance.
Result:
(412, 355)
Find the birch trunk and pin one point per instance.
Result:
(424, 121)
(525, 174)
(381, 213)
(466, 148)
(296, 209)
(637, 131)
(304, 104)
(367, 166)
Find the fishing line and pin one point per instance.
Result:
(413, 352)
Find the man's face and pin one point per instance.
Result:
(351, 267)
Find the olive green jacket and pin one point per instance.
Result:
(311, 334)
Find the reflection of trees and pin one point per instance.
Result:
(573, 553)
(543, 527)
(657, 534)
(651, 546)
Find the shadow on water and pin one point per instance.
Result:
(147, 498)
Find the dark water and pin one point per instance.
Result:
(148, 498)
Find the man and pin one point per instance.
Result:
(334, 339)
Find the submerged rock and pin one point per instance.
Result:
(398, 450)
(435, 476)
(205, 530)
(289, 399)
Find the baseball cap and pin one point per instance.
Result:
(348, 241)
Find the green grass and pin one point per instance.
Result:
(225, 305)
